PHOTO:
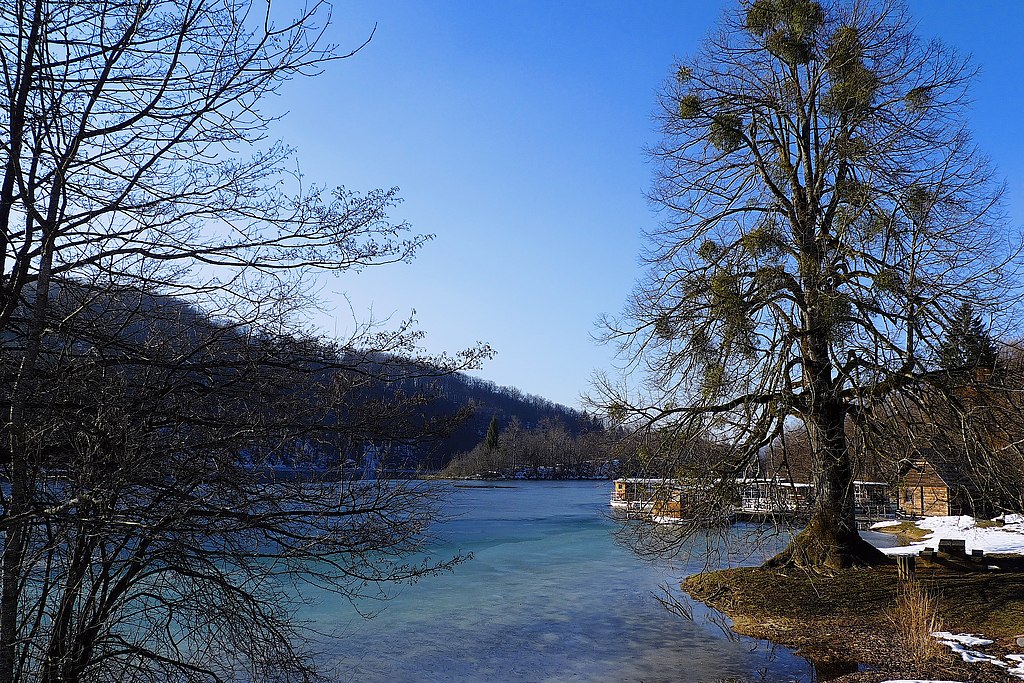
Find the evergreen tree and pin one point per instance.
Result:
(491, 441)
(966, 344)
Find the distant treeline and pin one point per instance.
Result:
(516, 413)
(549, 450)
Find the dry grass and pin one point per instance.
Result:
(988, 523)
(846, 616)
(905, 532)
(914, 618)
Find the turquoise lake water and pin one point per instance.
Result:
(549, 596)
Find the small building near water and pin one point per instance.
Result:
(928, 488)
(669, 500)
(638, 494)
(675, 505)
(705, 504)
(872, 500)
(772, 496)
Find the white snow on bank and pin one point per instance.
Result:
(1008, 538)
(973, 656)
(959, 643)
(962, 638)
(889, 522)
(1018, 669)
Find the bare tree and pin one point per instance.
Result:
(157, 546)
(140, 541)
(826, 214)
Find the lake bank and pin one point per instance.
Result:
(842, 623)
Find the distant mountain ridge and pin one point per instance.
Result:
(122, 321)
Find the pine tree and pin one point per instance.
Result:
(491, 441)
(967, 345)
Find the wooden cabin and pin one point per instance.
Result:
(675, 505)
(695, 503)
(929, 487)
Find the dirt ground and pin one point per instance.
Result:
(843, 620)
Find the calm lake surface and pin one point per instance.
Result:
(548, 596)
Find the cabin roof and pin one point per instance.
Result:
(922, 475)
(931, 469)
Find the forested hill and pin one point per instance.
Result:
(506, 403)
(328, 403)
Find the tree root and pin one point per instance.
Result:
(822, 551)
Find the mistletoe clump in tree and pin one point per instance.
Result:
(825, 214)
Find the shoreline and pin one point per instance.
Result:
(841, 623)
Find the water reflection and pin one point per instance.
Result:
(684, 607)
(773, 659)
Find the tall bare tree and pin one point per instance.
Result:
(825, 215)
(157, 544)
(139, 542)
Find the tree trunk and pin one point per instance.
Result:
(16, 532)
(830, 540)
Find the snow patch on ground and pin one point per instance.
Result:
(889, 522)
(960, 643)
(973, 656)
(1008, 538)
(1018, 669)
(962, 638)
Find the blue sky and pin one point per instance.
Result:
(516, 130)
